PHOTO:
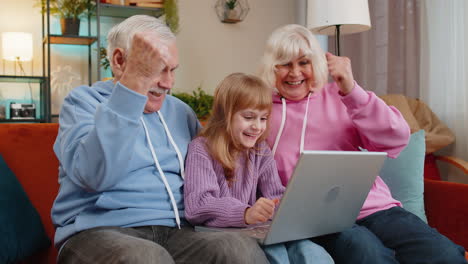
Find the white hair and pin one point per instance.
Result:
(121, 35)
(287, 43)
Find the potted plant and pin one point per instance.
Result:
(105, 63)
(199, 101)
(70, 12)
(171, 15)
(230, 12)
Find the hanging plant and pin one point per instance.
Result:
(171, 15)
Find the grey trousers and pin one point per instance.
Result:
(159, 244)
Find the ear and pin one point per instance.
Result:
(118, 62)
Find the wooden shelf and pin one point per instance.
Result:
(127, 11)
(70, 40)
(230, 20)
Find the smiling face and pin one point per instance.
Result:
(295, 79)
(248, 125)
(164, 83)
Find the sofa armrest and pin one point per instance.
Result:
(446, 205)
(457, 162)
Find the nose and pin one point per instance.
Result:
(295, 70)
(256, 124)
(167, 80)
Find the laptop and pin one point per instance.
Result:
(323, 196)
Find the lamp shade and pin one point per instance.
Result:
(351, 15)
(17, 46)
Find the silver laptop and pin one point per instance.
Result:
(324, 196)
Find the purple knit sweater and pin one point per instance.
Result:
(208, 198)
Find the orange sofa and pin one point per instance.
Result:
(27, 149)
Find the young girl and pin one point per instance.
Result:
(231, 176)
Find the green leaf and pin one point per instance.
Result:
(199, 101)
(68, 8)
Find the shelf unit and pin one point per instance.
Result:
(119, 11)
(42, 98)
(49, 39)
(92, 40)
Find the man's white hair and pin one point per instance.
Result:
(121, 35)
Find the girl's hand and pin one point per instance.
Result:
(340, 70)
(261, 211)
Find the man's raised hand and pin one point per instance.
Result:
(145, 60)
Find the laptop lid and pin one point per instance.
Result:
(325, 194)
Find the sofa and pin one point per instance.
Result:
(27, 150)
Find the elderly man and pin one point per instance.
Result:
(121, 147)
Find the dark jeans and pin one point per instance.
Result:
(159, 244)
(391, 236)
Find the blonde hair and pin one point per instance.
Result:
(236, 92)
(287, 43)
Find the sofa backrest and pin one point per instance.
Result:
(27, 149)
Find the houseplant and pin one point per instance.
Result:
(70, 12)
(199, 101)
(171, 15)
(105, 63)
(230, 12)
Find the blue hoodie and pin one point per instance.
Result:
(107, 175)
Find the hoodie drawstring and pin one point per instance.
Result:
(283, 121)
(161, 172)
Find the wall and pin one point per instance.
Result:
(210, 50)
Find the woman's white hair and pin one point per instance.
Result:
(121, 35)
(287, 43)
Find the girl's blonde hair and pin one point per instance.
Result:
(236, 92)
(287, 43)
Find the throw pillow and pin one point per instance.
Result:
(21, 228)
(404, 175)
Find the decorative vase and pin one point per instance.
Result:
(70, 26)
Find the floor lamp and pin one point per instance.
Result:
(338, 17)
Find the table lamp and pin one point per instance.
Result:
(17, 47)
(336, 17)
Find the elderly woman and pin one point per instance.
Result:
(309, 114)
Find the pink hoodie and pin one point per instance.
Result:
(335, 122)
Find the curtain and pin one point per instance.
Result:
(385, 59)
(444, 72)
(418, 48)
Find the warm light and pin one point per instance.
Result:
(351, 15)
(17, 46)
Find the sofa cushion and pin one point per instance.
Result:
(404, 175)
(21, 228)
